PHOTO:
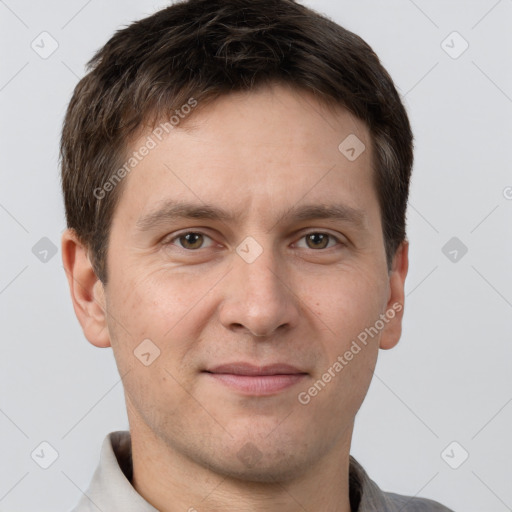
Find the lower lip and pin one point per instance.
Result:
(258, 384)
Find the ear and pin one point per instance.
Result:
(395, 306)
(87, 291)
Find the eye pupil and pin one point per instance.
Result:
(191, 240)
(318, 237)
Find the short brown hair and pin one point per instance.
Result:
(208, 48)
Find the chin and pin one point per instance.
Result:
(250, 464)
(263, 473)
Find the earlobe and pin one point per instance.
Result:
(87, 291)
(395, 306)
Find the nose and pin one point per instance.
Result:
(259, 297)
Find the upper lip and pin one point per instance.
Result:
(242, 368)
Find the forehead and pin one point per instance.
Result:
(275, 145)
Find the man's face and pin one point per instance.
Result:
(253, 288)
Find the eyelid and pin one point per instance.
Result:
(170, 241)
(338, 239)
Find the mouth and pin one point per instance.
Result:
(256, 380)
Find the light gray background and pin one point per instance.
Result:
(449, 379)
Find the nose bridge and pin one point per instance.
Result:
(261, 276)
(259, 299)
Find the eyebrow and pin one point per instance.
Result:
(174, 210)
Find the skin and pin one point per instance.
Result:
(256, 154)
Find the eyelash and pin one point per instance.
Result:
(184, 233)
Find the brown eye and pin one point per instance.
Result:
(317, 240)
(191, 240)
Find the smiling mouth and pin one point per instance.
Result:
(256, 380)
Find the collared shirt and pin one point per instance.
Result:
(110, 489)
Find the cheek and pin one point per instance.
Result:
(152, 330)
(166, 308)
(345, 304)
(344, 309)
(153, 302)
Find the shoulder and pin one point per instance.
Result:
(411, 504)
(370, 498)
